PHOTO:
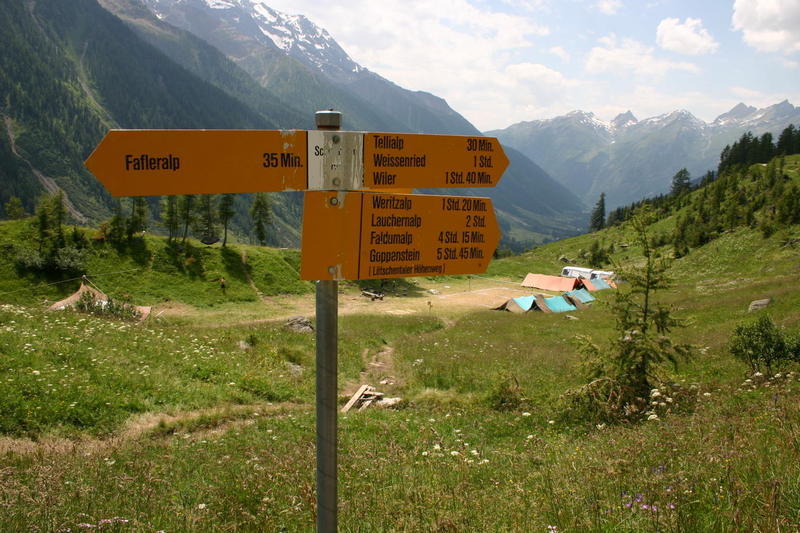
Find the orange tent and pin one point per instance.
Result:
(552, 283)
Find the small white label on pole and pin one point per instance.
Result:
(335, 160)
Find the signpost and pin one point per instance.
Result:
(347, 233)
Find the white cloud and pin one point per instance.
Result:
(769, 25)
(609, 7)
(451, 48)
(559, 52)
(628, 55)
(687, 38)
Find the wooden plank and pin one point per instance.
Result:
(361, 390)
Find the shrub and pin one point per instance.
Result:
(507, 395)
(70, 259)
(762, 343)
(88, 304)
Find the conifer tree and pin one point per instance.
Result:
(598, 218)
(169, 216)
(208, 217)
(225, 214)
(186, 213)
(14, 209)
(681, 182)
(621, 375)
(261, 213)
(139, 214)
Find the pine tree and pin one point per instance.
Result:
(261, 213)
(786, 141)
(43, 223)
(681, 182)
(14, 209)
(118, 224)
(598, 219)
(208, 217)
(139, 215)
(621, 375)
(225, 214)
(58, 214)
(186, 213)
(169, 216)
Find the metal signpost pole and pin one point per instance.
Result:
(327, 351)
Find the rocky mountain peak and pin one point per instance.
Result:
(295, 35)
(738, 112)
(623, 120)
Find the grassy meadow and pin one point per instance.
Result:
(204, 421)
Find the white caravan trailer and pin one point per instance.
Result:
(576, 272)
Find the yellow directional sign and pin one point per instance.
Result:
(405, 160)
(165, 162)
(353, 235)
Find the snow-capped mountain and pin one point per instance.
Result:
(630, 159)
(295, 35)
(260, 39)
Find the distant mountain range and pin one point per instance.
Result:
(71, 70)
(630, 159)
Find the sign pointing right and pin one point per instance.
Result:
(415, 161)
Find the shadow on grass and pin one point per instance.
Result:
(234, 267)
(393, 287)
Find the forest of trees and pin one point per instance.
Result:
(739, 194)
(749, 149)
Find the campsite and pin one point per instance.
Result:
(201, 417)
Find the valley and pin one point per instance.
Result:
(201, 417)
(158, 354)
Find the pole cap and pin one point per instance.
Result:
(328, 119)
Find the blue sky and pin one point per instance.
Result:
(498, 62)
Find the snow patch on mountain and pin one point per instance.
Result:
(295, 35)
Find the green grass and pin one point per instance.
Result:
(150, 270)
(171, 425)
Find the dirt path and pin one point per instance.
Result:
(208, 422)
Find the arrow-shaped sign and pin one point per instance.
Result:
(164, 162)
(354, 235)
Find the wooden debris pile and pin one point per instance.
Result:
(365, 396)
(372, 295)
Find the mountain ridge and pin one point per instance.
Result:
(630, 159)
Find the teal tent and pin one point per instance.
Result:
(600, 284)
(558, 304)
(582, 295)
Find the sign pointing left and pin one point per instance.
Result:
(166, 162)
